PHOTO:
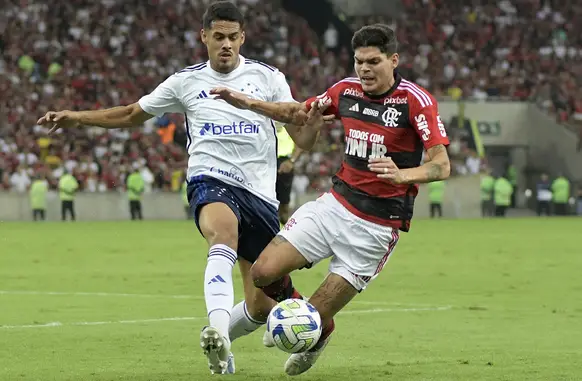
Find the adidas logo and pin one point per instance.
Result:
(202, 95)
(217, 279)
(355, 108)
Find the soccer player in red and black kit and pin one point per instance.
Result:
(388, 123)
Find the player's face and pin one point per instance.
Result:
(223, 41)
(375, 69)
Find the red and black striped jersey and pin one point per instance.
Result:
(400, 124)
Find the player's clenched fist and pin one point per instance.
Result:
(58, 119)
(386, 169)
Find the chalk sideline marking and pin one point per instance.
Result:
(186, 318)
(165, 296)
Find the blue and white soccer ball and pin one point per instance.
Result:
(294, 325)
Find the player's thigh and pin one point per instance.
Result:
(258, 304)
(301, 243)
(215, 212)
(332, 296)
(361, 248)
(218, 224)
(259, 224)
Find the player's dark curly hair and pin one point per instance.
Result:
(222, 11)
(380, 36)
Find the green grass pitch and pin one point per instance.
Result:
(459, 300)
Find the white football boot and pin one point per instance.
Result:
(301, 362)
(216, 348)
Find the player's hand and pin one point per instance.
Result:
(316, 117)
(233, 98)
(386, 169)
(286, 166)
(58, 119)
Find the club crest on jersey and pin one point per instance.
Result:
(390, 117)
(251, 89)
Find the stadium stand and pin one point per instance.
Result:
(88, 54)
(515, 50)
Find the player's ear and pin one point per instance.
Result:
(203, 36)
(395, 58)
(242, 37)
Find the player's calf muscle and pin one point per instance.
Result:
(258, 304)
(332, 296)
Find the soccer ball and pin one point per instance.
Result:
(294, 325)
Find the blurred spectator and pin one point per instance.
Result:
(26, 157)
(473, 163)
(78, 55)
(513, 49)
(20, 180)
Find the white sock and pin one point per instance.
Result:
(218, 287)
(241, 322)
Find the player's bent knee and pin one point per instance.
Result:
(216, 237)
(261, 275)
(277, 260)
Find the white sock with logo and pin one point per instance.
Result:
(218, 287)
(241, 322)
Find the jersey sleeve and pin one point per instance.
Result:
(330, 94)
(166, 98)
(426, 120)
(281, 90)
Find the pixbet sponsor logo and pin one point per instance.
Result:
(395, 101)
(235, 128)
(354, 92)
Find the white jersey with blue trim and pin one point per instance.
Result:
(238, 147)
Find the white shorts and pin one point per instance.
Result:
(325, 228)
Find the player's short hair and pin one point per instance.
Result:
(380, 36)
(222, 11)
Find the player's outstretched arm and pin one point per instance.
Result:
(284, 112)
(116, 117)
(437, 167)
(306, 135)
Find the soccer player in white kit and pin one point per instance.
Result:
(231, 171)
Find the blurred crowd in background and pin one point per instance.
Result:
(85, 54)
